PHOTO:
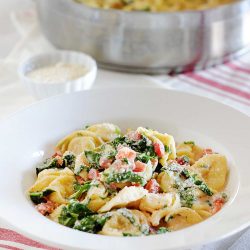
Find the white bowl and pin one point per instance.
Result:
(42, 90)
(28, 137)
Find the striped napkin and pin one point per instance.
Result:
(228, 83)
(15, 241)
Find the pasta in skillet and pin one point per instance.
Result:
(138, 183)
(155, 6)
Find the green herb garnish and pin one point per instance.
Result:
(92, 223)
(125, 177)
(162, 230)
(39, 197)
(189, 142)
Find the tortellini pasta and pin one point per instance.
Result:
(106, 131)
(124, 197)
(79, 141)
(138, 183)
(165, 139)
(181, 218)
(213, 168)
(60, 181)
(125, 222)
(152, 202)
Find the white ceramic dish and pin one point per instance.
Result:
(28, 136)
(42, 90)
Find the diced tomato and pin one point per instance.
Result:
(93, 174)
(134, 135)
(59, 161)
(136, 184)
(139, 166)
(46, 208)
(152, 186)
(112, 185)
(217, 205)
(207, 151)
(159, 148)
(57, 153)
(79, 179)
(126, 152)
(105, 162)
(183, 160)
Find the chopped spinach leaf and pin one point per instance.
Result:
(199, 183)
(47, 164)
(158, 168)
(93, 158)
(141, 146)
(204, 188)
(125, 177)
(80, 189)
(39, 197)
(111, 154)
(92, 223)
(69, 160)
(127, 214)
(66, 218)
(189, 142)
(125, 160)
(187, 197)
(185, 159)
(75, 210)
(167, 149)
(118, 140)
(79, 169)
(162, 230)
(143, 158)
(127, 234)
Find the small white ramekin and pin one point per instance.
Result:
(44, 90)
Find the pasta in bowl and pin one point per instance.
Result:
(103, 181)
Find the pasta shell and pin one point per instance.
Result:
(124, 197)
(91, 139)
(125, 221)
(167, 140)
(106, 131)
(59, 180)
(151, 201)
(166, 182)
(181, 218)
(214, 170)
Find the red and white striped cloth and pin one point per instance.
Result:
(15, 241)
(228, 83)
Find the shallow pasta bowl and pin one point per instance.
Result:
(28, 136)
